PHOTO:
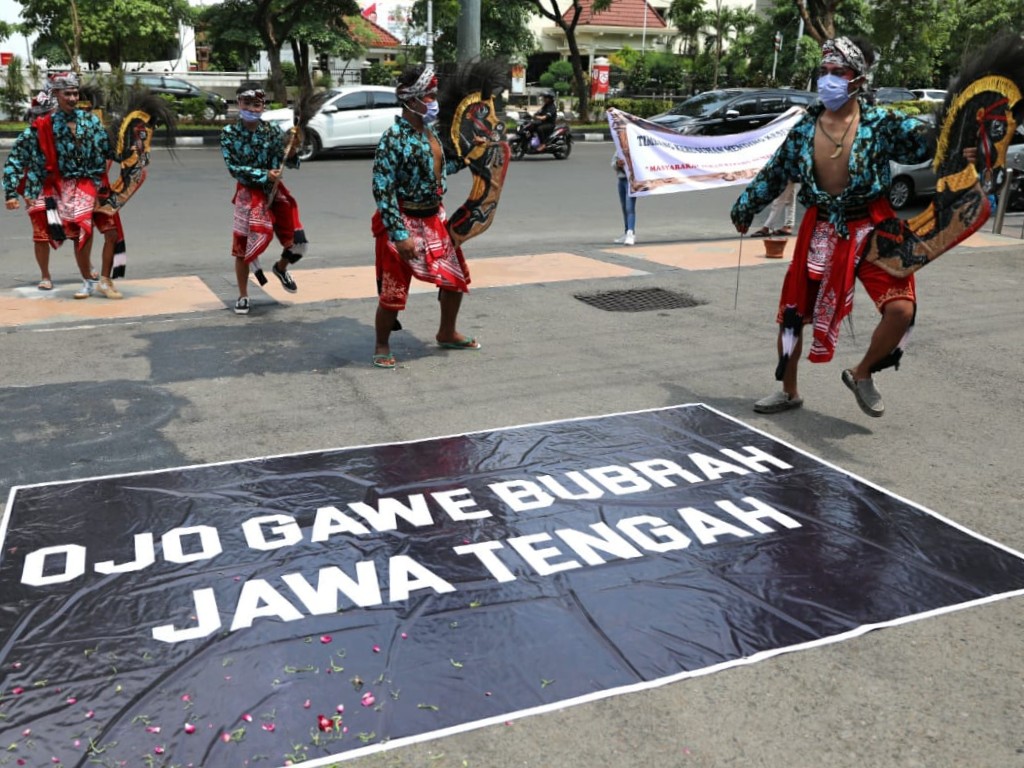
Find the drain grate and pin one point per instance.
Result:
(639, 300)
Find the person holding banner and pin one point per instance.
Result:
(839, 153)
(628, 203)
(782, 210)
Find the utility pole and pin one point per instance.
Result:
(469, 31)
(430, 34)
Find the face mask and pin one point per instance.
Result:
(834, 91)
(430, 116)
(248, 116)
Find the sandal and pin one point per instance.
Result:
(783, 231)
(762, 232)
(384, 361)
(46, 284)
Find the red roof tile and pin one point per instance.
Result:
(369, 33)
(621, 13)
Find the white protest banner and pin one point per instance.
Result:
(659, 160)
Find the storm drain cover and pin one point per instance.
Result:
(639, 300)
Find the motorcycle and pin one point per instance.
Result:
(525, 141)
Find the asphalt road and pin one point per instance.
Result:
(81, 400)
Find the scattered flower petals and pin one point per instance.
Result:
(225, 737)
(341, 709)
(90, 714)
(190, 728)
(16, 665)
(324, 723)
(268, 727)
(376, 649)
(404, 635)
(72, 700)
(325, 639)
(152, 729)
(368, 699)
(487, 693)
(158, 750)
(186, 697)
(247, 717)
(27, 732)
(17, 690)
(307, 704)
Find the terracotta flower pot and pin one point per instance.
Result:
(774, 249)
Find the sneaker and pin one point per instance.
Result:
(105, 287)
(242, 305)
(87, 289)
(629, 238)
(868, 398)
(286, 279)
(620, 239)
(777, 403)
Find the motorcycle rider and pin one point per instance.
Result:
(544, 120)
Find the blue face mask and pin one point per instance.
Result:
(430, 116)
(834, 91)
(249, 117)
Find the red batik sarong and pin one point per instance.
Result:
(437, 260)
(255, 225)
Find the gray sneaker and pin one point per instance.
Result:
(868, 398)
(777, 403)
(87, 289)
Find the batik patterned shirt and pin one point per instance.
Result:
(881, 136)
(403, 172)
(251, 155)
(82, 154)
(18, 163)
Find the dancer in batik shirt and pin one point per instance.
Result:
(839, 153)
(254, 151)
(409, 227)
(69, 156)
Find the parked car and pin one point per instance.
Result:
(731, 110)
(887, 95)
(352, 117)
(910, 182)
(180, 90)
(928, 94)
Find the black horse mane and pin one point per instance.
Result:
(455, 82)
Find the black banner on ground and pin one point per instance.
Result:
(314, 607)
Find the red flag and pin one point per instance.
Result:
(370, 11)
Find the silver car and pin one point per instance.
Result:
(351, 118)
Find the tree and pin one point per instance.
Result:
(229, 31)
(819, 18)
(97, 31)
(688, 17)
(721, 20)
(909, 42)
(567, 23)
(503, 27)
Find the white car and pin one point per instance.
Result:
(353, 117)
(929, 94)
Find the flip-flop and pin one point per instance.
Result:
(384, 361)
(46, 285)
(467, 343)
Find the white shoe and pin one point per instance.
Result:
(87, 289)
(621, 238)
(629, 238)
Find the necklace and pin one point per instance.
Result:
(839, 144)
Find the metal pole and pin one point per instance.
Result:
(469, 31)
(796, 45)
(430, 34)
(643, 39)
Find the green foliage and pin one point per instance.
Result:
(229, 29)
(193, 109)
(504, 30)
(13, 92)
(640, 107)
(379, 74)
(290, 73)
(558, 76)
(114, 32)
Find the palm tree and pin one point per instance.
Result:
(688, 16)
(720, 21)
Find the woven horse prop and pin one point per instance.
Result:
(983, 109)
